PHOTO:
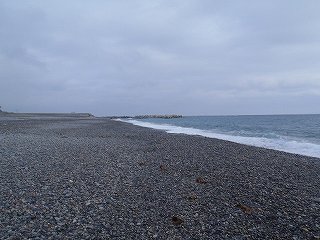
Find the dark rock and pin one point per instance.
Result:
(201, 180)
(244, 208)
(176, 220)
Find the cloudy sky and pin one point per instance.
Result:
(193, 57)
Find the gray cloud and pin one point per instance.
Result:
(136, 57)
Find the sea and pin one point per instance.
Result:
(298, 134)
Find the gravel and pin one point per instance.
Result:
(94, 178)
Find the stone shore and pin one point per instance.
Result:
(94, 178)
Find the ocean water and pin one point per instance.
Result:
(290, 133)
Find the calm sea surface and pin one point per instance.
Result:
(291, 133)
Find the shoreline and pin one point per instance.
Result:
(248, 141)
(99, 178)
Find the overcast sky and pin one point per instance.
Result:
(192, 57)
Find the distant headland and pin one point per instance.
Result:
(46, 115)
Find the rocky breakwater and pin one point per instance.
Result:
(167, 116)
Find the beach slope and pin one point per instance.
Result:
(85, 177)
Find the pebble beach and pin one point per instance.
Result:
(82, 177)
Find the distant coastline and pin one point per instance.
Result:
(47, 115)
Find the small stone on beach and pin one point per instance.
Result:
(201, 180)
(244, 208)
(192, 197)
(176, 220)
(163, 168)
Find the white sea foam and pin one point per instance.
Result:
(282, 144)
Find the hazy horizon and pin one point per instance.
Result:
(160, 57)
